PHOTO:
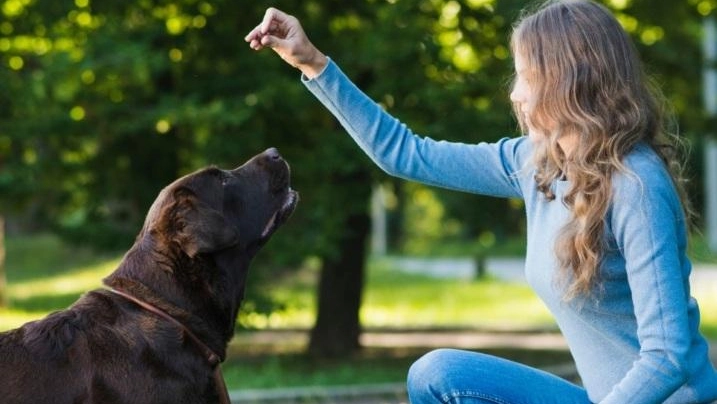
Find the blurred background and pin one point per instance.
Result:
(102, 103)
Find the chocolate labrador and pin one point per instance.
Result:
(157, 331)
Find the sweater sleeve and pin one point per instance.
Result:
(649, 227)
(484, 168)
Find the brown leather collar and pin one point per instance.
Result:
(212, 357)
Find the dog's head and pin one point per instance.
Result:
(212, 209)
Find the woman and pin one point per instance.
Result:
(607, 232)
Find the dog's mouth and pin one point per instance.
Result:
(282, 214)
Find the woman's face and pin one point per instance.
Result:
(523, 95)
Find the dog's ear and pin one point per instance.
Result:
(196, 227)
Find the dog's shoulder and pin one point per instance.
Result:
(53, 336)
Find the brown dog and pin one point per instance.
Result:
(157, 333)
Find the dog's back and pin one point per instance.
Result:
(94, 352)
(40, 362)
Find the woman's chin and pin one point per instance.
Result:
(535, 136)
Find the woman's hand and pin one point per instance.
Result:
(283, 33)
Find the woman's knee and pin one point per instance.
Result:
(427, 375)
(429, 364)
(451, 375)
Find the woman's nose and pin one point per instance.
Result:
(516, 95)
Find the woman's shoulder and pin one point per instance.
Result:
(644, 174)
(521, 147)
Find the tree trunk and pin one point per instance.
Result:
(3, 278)
(337, 329)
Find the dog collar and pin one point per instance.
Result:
(211, 357)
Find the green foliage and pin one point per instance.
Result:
(425, 222)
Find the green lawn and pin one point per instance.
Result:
(396, 299)
(46, 275)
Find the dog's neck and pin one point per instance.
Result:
(207, 326)
(179, 285)
(211, 357)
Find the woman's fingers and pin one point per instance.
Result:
(274, 20)
(274, 28)
(283, 33)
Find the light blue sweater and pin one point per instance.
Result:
(636, 340)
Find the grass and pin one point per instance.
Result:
(370, 366)
(297, 369)
(45, 275)
(395, 299)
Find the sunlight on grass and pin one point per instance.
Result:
(394, 299)
(11, 318)
(292, 317)
(707, 300)
(67, 287)
(79, 281)
(44, 275)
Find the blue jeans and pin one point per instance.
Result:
(456, 376)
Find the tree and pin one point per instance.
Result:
(3, 278)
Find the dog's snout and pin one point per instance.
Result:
(271, 158)
(269, 163)
(272, 153)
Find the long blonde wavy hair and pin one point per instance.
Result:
(588, 80)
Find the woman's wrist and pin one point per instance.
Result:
(314, 65)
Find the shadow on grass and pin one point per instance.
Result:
(250, 368)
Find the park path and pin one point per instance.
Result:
(511, 268)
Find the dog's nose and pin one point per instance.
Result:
(272, 153)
